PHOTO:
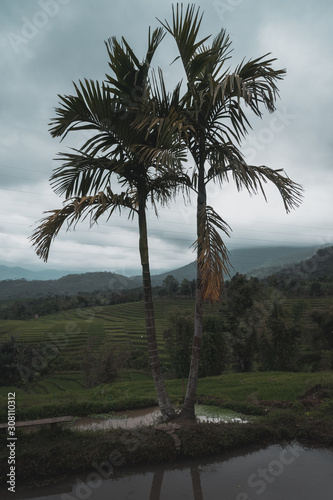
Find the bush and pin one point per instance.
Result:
(316, 361)
(135, 359)
(21, 363)
(98, 365)
(286, 418)
(214, 350)
(178, 339)
(326, 408)
(278, 345)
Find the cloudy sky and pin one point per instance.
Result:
(45, 45)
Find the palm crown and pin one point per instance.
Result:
(214, 124)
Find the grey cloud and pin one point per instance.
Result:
(69, 45)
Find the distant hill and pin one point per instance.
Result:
(318, 266)
(72, 284)
(260, 262)
(18, 273)
(278, 258)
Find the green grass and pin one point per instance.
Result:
(65, 391)
(50, 454)
(123, 325)
(277, 386)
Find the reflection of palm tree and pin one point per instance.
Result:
(156, 485)
(196, 483)
(145, 165)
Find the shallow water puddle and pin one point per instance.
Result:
(215, 414)
(151, 416)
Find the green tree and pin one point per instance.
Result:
(21, 363)
(187, 287)
(323, 337)
(10, 374)
(279, 344)
(145, 163)
(214, 124)
(178, 338)
(171, 285)
(98, 364)
(214, 350)
(245, 313)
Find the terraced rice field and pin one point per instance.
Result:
(122, 325)
(61, 382)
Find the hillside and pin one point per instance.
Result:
(245, 261)
(281, 259)
(71, 284)
(319, 266)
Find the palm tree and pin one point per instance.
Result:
(144, 164)
(214, 124)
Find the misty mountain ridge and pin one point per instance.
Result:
(258, 262)
(19, 273)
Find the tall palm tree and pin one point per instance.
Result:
(214, 124)
(144, 164)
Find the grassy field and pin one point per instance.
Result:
(61, 393)
(47, 455)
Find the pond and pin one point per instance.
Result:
(278, 472)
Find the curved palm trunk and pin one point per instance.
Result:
(190, 397)
(164, 403)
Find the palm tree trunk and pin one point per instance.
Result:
(190, 398)
(164, 403)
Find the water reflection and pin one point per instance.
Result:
(277, 472)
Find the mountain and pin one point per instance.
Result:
(72, 284)
(18, 273)
(318, 266)
(271, 259)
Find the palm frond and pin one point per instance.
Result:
(185, 27)
(77, 209)
(164, 187)
(81, 174)
(213, 256)
(95, 110)
(254, 82)
(225, 159)
(130, 75)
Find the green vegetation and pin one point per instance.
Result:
(64, 393)
(120, 325)
(288, 406)
(237, 322)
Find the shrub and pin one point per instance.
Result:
(98, 365)
(21, 363)
(135, 359)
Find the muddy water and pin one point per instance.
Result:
(289, 472)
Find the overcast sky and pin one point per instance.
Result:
(46, 45)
